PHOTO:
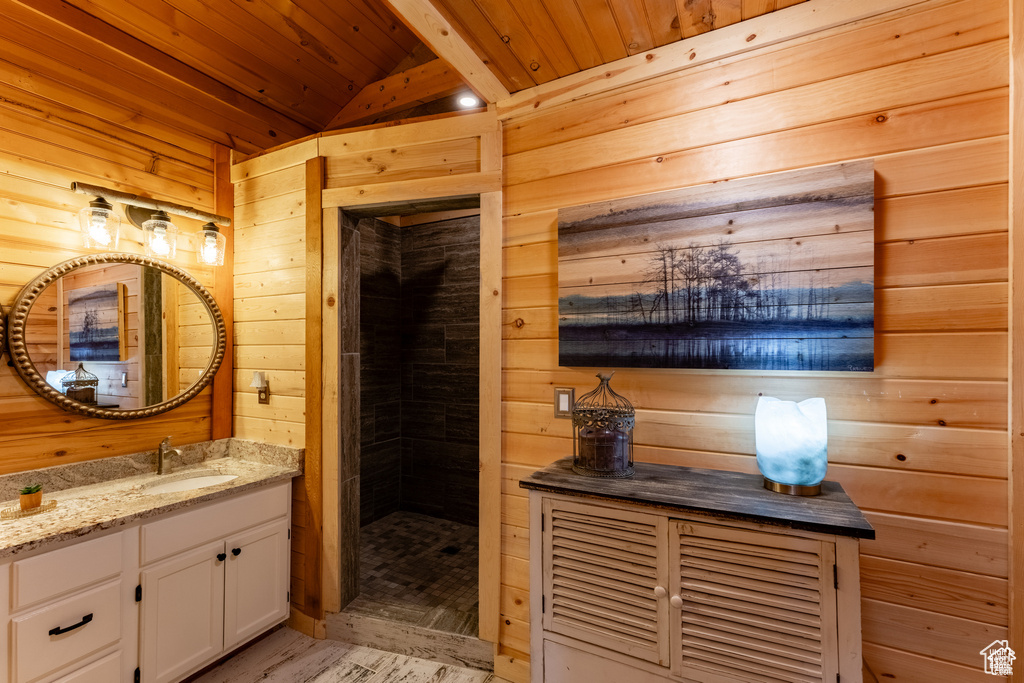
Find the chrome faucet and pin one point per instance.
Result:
(165, 451)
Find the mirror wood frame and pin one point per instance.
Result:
(17, 320)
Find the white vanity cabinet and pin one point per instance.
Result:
(156, 600)
(71, 612)
(211, 578)
(691, 575)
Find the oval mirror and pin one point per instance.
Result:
(116, 336)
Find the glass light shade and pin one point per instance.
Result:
(161, 236)
(210, 246)
(791, 440)
(100, 225)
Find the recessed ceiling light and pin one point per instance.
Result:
(469, 101)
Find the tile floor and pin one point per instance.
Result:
(420, 571)
(287, 656)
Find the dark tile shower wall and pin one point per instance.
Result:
(440, 375)
(419, 346)
(380, 346)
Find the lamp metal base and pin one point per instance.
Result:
(792, 489)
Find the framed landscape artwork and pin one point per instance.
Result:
(773, 272)
(96, 323)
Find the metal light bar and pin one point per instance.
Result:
(147, 203)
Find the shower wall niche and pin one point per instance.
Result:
(419, 365)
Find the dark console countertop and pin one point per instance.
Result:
(734, 495)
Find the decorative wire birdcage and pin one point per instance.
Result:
(603, 421)
(80, 385)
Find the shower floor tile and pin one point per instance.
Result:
(420, 571)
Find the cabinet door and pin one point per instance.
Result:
(182, 613)
(602, 567)
(256, 581)
(756, 606)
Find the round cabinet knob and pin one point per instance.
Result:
(236, 551)
(222, 556)
(676, 601)
(660, 592)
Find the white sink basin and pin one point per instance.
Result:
(189, 484)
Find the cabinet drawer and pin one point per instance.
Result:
(57, 572)
(104, 670)
(37, 650)
(181, 532)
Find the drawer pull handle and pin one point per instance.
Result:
(222, 556)
(57, 630)
(236, 551)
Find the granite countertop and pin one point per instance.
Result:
(120, 501)
(733, 495)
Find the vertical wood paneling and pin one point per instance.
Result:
(929, 234)
(1016, 369)
(224, 293)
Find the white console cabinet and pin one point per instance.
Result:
(153, 601)
(691, 575)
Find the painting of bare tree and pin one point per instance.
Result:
(767, 273)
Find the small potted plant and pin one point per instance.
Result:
(31, 496)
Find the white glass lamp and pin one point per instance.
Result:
(100, 225)
(160, 236)
(791, 440)
(210, 246)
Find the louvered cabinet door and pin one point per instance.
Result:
(756, 606)
(601, 569)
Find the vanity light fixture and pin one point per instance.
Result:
(160, 236)
(262, 387)
(159, 233)
(100, 225)
(210, 246)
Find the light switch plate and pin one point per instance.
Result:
(565, 397)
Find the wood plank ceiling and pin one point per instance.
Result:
(252, 74)
(528, 42)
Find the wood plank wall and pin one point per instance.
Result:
(270, 330)
(50, 135)
(272, 257)
(921, 443)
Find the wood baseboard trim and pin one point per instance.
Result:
(305, 624)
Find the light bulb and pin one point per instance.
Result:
(99, 225)
(210, 246)
(160, 236)
(208, 252)
(98, 229)
(468, 101)
(159, 243)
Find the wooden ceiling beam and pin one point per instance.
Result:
(434, 30)
(418, 85)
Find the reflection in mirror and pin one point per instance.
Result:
(127, 336)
